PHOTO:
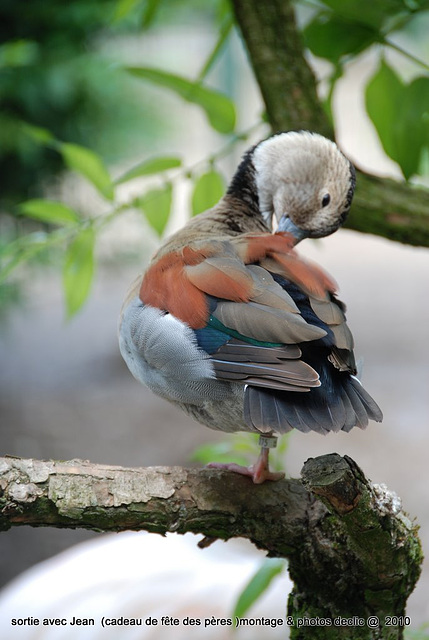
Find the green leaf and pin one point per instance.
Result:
(24, 248)
(383, 97)
(78, 270)
(123, 8)
(329, 36)
(90, 165)
(208, 190)
(49, 211)
(21, 250)
(369, 12)
(242, 448)
(38, 134)
(262, 579)
(218, 452)
(149, 167)
(277, 457)
(18, 53)
(224, 32)
(219, 108)
(400, 114)
(423, 169)
(20, 243)
(413, 127)
(156, 205)
(150, 12)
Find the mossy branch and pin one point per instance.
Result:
(392, 209)
(395, 210)
(276, 53)
(351, 549)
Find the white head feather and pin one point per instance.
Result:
(304, 181)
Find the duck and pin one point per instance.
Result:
(232, 325)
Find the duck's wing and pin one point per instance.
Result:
(268, 320)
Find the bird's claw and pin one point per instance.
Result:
(258, 472)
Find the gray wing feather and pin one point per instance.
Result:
(328, 311)
(268, 292)
(371, 407)
(258, 353)
(331, 311)
(263, 366)
(266, 324)
(263, 413)
(343, 336)
(358, 407)
(353, 407)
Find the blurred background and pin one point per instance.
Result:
(64, 389)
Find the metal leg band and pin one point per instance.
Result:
(268, 442)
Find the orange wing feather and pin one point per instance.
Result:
(279, 247)
(166, 286)
(178, 281)
(311, 278)
(254, 248)
(224, 280)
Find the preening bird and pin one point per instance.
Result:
(229, 323)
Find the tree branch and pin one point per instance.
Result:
(388, 208)
(391, 209)
(336, 529)
(159, 499)
(276, 53)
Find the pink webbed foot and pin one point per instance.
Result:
(259, 472)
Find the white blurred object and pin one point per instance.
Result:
(141, 575)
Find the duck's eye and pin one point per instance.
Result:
(326, 200)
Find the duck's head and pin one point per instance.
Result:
(302, 181)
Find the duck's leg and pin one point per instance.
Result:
(259, 472)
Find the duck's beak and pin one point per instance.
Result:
(288, 226)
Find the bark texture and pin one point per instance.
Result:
(353, 553)
(276, 53)
(389, 208)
